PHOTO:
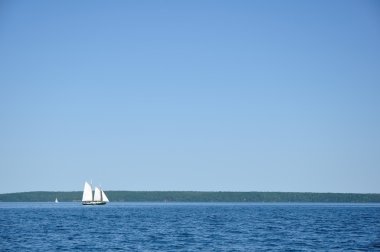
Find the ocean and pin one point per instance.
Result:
(189, 227)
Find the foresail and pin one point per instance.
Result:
(97, 195)
(104, 196)
(87, 192)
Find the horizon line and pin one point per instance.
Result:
(201, 191)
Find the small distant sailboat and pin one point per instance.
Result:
(56, 200)
(98, 198)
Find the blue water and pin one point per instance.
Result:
(189, 227)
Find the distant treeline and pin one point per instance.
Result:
(189, 196)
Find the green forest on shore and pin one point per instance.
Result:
(196, 196)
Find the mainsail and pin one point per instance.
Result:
(87, 192)
(97, 194)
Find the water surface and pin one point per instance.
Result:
(189, 227)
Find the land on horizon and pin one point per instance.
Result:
(196, 196)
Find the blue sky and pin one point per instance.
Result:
(190, 95)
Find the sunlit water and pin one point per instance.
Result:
(189, 227)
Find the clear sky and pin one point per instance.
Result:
(190, 95)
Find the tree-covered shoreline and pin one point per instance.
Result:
(196, 196)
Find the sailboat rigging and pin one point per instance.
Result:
(96, 198)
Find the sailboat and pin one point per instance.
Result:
(56, 200)
(98, 198)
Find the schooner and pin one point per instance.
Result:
(96, 198)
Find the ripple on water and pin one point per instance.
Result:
(189, 227)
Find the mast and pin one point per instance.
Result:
(101, 194)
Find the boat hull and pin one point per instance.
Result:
(93, 203)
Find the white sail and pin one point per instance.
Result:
(97, 195)
(56, 200)
(87, 192)
(98, 198)
(104, 196)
